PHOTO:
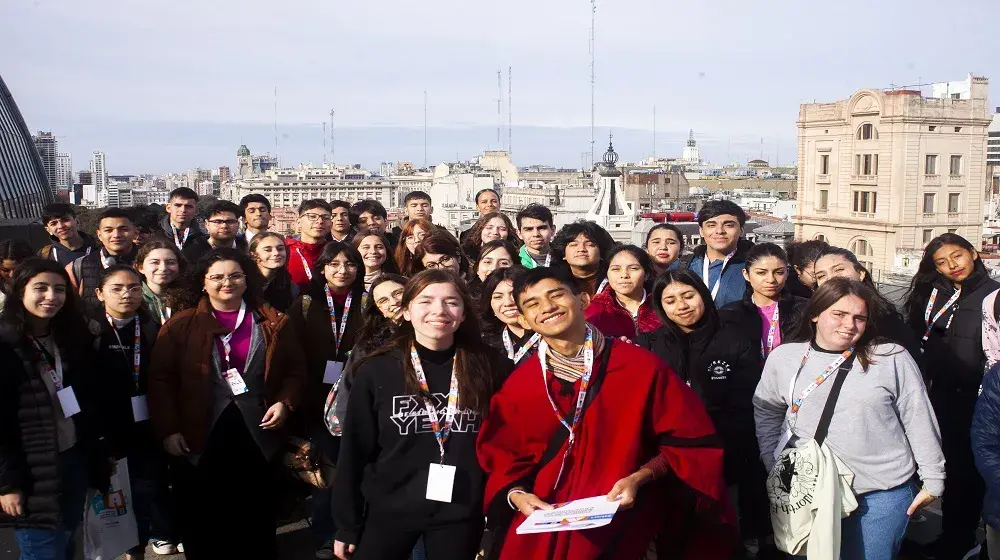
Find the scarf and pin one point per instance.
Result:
(571, 369)
(991, 331)
(369, 278)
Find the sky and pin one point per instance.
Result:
(164, 86)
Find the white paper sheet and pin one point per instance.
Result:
(587, 513)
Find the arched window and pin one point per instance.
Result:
(867, 132)
(820, 237)
(863, 250)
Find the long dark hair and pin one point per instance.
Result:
(389, 266)
(106, 275)
(194, 279)
(277, 289)
(377, 328)
(595, 233)
(689, 278)
(667, 227)
(439, 243)
(66, 326)
(476, 379)
(492, 325)
(830, 293)
(927, 274)
(406, 262)
(474, 240)
(488, 248)
(330, 252)
(644, 261)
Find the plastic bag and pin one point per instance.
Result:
(109, 526)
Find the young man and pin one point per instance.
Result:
(720, 261)
(222, 221)
(592, 416)
(487, 200)
(581, 247)
(315, 219)
(256, 212)
(370, 215)
(69, 243)
(180, 224)
(117, 233)
(340, 227)
(535, 228)
(417, 204)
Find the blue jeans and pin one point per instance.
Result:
(323, 526)
(58, 544)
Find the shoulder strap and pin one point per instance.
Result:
(831, 401)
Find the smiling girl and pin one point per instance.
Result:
(269, 251)
(161, 264)
(624, 308)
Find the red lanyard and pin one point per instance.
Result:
(441, 432)
(177, 240)
(338, 330)
(516, 357)
(305, 264)
(765, 349)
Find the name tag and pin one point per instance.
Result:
(140, 411)
(333, 371)
(235, 380)
(440, 482)
(68, 402)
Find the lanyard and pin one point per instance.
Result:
(229, 336)
(602, 286)
(177, 239)
(797, 403)
(441, 433)
(588, 364)
(930, 305)
(164, 313)
(521, 351)
(305, 264)
(548, 259)
(338, 330)
(766, 349)
(704, 273)
(56, 373)
(136, 354)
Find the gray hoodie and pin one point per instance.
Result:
(883, 426)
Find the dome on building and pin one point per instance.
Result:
(24, 188)
(243, 151)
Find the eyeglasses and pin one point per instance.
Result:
(223, 222)
(443, 262)
(234, 278)
(119, 291)
(344, 266)
(317, 217)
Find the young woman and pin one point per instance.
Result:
(883, 427)
(944, 309)
(440, 250)
(413, 232)
(374, 249)
(493, 226)
(269, 251)
(128, 329)
(802, 256)
(161, 263)
(768, 313)
(407, 467)
(50, 412)
(492, 255)
(12, 253)
(582, 247)
(327, 318)
(501, 328)
(664, 243)
(624, 310)
(722, 365)
(222, 380)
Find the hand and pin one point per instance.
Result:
(12, 504)
(342, 551)
(527, 503)
(176, 445)
(627, 488)
(274, 417)
(627, 339)
(922, 500)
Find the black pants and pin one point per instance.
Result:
(451, 542)
(227, 503)
(964, 487)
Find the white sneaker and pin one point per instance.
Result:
(164, 548)
(180, 547)
(325, 551)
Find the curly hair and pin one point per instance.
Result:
(595, 233)
(193, 281)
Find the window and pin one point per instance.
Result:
(820, 237)
(958, 129)
(867, 132)
(930, 165)
(824, 164)
(864, 201)
(932, 128)
(863, 250)
(952, 230)
(928, 203)
(824, 198)
(866, 164)
(928, 235)
(953, 203)
(956, 165)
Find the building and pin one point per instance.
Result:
(780, 233)
(288, 187)
(24, 186)
(886, 171)
(225, 174)
(48, 150)
(961, 89)
(64, 172)
(568, 203)
(99, 171)
(654, 189)
(611, 211)
(691, 154)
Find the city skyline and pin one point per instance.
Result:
(728, 70)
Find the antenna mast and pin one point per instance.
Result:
(654, 131)
(333, 143)
(593, 74)
(510, 118)
(425, 128)
(499, 106)
(324, 143)
(275, 121)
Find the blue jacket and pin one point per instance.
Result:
(986, 444)
(733, 284)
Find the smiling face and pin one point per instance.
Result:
(161, 267)
(552, 309)
(225, 283)
(435, 313)
(663, 247)
(626, 275)
(487, 202)
(767, 276)
(835, 266)
(116, 235)
(437, 260)
(502, 303)
(497, 258)
(416, 236)
(121, 294)
(271, 253)
(373, 252)
(722, 232)
(44, 295)
(581, 252)
(495, 229)
(955, 263)
(683, 305)
(340, 273)
(64, 228)
(839, 326)
(388, 296)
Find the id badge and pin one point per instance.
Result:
(140, 411)
(68, 402)
(235, 380)
(333, 371)
(440, 482)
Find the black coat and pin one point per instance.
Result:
(195, 250)
(723, 366)
(954, 352)
(743, 315)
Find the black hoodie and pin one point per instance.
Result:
(743, 315)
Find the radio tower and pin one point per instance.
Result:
(510, 120)
(324, 143)
(499, 107)
(593, 74)
(333, 144)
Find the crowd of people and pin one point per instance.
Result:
(737, 401)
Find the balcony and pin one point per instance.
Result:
(929, 216)
(864, 179)
(932, 179)
(956, 179)
(867, 215)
